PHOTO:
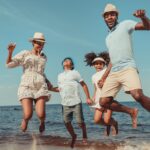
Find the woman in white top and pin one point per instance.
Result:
(100, 63)
(34, 85)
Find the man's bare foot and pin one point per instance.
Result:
(42, 127)
(134, 117)
(73, 141)
(114, 128)
(107, 130)
(24, 125)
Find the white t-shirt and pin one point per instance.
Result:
(95, 78)
(68, 83)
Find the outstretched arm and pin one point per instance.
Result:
(145, 24)
(54, 89)
(86, 91)
(50, 86)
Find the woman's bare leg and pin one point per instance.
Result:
(40, 111)
(27, 106)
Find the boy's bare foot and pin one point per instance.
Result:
(42, 127)
(73, 141)
(24, 125)
(134, 117)
(107, 130)
(84, 140)
(114, 129)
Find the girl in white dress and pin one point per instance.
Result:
(34, 85)
(99, 62)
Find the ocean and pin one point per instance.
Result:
(56, 137)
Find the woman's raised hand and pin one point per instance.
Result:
(11, 47)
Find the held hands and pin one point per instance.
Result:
(93, 99)
(11, 47)
(49, 85)
(139, 13)
(89, 101)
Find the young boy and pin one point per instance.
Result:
(68, 86)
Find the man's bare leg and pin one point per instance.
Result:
(141, 98)
(110, 103)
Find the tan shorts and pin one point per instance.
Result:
(127, 78)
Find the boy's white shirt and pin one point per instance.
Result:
(68, 83)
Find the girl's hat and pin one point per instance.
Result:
(99, 59)
(38, 37)
(109, 8)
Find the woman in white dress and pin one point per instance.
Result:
(34, 85)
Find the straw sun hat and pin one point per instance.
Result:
(110, 8)
(38, 37)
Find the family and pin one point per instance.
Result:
(114, 69)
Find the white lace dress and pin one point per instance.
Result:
(33, 84)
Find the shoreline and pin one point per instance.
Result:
(36, 142)
(56, 104)
(42, 142)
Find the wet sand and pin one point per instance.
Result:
(37, 142)
(60, 143)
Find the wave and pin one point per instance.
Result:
(134, 145)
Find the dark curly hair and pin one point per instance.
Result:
(68, 58)
(105, 56)
(89, 57)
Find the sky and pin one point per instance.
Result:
(72, 28)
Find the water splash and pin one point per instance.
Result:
(134, 146)
(34, 143)
(14, 145)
